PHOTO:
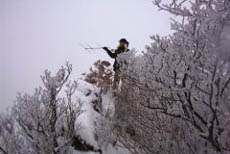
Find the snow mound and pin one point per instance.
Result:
(89, 95)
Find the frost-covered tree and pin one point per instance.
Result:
(11, 141)
(45, 121)
(175, 97)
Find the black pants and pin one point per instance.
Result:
(117, 78)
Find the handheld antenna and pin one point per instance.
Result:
(88, 47)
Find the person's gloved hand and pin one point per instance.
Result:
(105, 48)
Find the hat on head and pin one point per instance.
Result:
(124, 41)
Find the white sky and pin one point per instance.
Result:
(40, 34)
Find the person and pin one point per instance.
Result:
(123, 47)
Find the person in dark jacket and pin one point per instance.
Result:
(123, 47)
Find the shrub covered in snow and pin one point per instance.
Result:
(43, 122)
(175, 97)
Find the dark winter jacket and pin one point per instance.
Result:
(115, 54)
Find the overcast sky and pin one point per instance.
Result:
(40, 34)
